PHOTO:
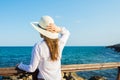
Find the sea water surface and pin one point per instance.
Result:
(10, 56)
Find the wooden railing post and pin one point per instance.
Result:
(118, 74)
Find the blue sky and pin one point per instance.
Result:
(90, 22)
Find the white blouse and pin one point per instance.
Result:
(40, 59)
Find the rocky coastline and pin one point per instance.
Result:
(115, 47)
(65, 76)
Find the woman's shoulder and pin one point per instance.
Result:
(39, 43)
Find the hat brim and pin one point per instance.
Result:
(44, 32)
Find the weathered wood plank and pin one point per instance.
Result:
(88, 67)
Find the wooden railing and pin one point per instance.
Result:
(68, 68)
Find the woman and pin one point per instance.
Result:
(46, 55)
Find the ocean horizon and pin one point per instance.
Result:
(12, 55)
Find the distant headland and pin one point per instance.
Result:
(116, 47)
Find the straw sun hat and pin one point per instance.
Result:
(42, 25)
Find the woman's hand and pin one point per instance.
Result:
(53, 28)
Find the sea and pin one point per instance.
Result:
(11, 56)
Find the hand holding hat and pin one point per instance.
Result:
(53, 28)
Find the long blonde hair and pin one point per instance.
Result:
(53, 47)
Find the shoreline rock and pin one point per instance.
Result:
(98, 78)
